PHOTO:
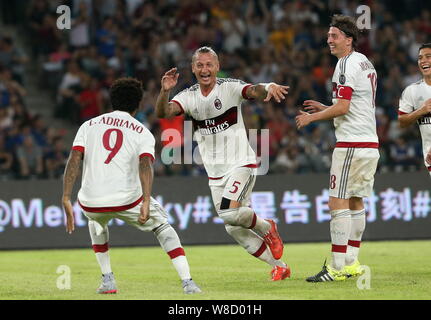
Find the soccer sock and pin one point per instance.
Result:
(100, 247)
(340, 232)
(253, 244)
(245, 217)
(170, 242)
(356, 232)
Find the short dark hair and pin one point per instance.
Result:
(425, 45)
(347, 25)
(126, 94)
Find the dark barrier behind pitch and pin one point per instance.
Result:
(31, 216)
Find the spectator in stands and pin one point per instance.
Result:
(90, 99)
(279, 40)
(12, 57)
(30, 158)
(55, 159)
(6, 159)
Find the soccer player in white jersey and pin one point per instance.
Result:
(117, 152)
(415, 103)
(214, 104)
(355, 157)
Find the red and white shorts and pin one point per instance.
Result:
(158, 216)
(236, 186)
(352, 171)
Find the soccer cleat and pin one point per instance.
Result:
(327, 274)
(280, 273)
(108, 284)
(354, 270)
(273, 240)
(190, 287)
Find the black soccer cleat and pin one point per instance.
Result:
(327, 274)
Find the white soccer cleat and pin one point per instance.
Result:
(190, 287)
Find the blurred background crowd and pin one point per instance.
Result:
(281, 41)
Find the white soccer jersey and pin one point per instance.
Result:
(219, 126)
(355, 79)
(412, 99)
(112, 145)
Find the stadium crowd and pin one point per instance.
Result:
(283, 41)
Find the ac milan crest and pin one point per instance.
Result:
(342, 79)
(217, 104)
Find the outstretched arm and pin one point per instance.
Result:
(70, 173)
(146, 175)
(164, 108)
(339, 109)
(266, 91)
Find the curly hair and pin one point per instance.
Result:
(347, 25)
(126, 94)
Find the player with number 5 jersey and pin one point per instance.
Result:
(117, 152)
(355, 157)
(214, 104)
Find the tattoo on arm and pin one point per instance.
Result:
(146, 176)
(71, 172)
(256, 91)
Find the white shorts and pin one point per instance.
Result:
(352, 172)
(235, 186)
(158, 216)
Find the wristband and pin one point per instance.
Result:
(266, 85)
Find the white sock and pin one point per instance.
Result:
(253, 244)
(170, 242)
(267, 257)
(357, 229)
(340, 232)
(261, 226)
(182, 266)
(104, 262)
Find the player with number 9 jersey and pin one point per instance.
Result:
(117, 152)
(112, 144)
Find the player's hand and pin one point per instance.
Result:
(277, 92)
(303, 119)
(426, 107)
(170, 79)
(145, 212)
(70, 219)
(313, 106)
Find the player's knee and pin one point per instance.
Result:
(242, 216)
(245, 216)
(230, 216)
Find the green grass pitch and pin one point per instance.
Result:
(399, 270)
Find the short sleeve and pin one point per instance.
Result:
(346, 79)
(349, 73)
(181, 99)
(239, 88)
(146, 147)
(80, 138)
(406, 104)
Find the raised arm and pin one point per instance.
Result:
(70, 173)
(146, 175)
(164, 108)
(405, 120)
(266, 91)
